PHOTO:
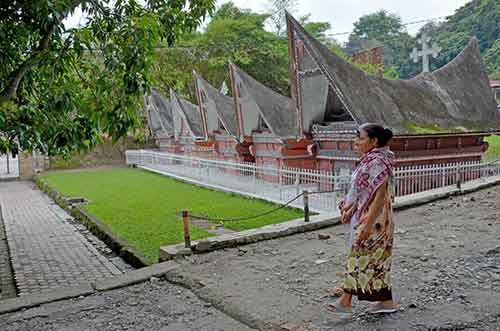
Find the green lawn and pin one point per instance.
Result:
(141, 207)
(493, 151)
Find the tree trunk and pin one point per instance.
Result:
(17, 75)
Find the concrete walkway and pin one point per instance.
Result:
(46, 251)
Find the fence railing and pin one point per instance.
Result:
(414, 179)
(9, 166)
(283, 184)
(274, 184)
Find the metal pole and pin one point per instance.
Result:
(8, 166)
(185, 221)
(306, 205)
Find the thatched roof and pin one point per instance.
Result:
(163, 108)
(215, 104)
(454, 97)
(275, 109)
(189, 113)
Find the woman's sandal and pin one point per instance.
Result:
(382, 308)
(336, 307)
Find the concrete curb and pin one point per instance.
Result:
(250, 236)
(135, 276)
(130, 278)
(28, 301)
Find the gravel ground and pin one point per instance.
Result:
(154, 305)
(446, 271)
(446, 275)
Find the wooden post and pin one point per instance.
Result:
(185, 221)
(306, 205)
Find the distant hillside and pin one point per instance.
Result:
(480, 18)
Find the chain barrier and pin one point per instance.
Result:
(218, 219)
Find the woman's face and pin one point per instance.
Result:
(363, 144)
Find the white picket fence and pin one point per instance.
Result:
(283, 184)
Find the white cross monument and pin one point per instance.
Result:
(425, 52)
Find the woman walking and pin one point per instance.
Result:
(368, 209)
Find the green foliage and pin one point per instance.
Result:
(141, 207)
(373, 26)
(418, 129)
(277, 9)
(232, 35)
(493, 151)
(72, 85)
(318, 30)
(384, 28)
(476, 18)
(492, 60)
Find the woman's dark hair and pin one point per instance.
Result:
(377, 131)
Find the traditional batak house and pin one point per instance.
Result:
(271, 121)
(158, 111)
(438, 117)
(220, 124)
(188, 131)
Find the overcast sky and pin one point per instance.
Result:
(341, 14)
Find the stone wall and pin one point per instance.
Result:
(105, 154)
(26, 170)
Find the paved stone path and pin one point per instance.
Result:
(47, 252)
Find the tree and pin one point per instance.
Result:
(66, 87)
(232, 35)
(277, 8)
(477, 18)
(384, 28)
(380, 26)
(492, 60)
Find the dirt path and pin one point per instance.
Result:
(447, 274)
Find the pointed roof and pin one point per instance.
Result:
(212, 101)
(453, 97)
(275, 109)
(190, 113)
(153, 118)
(163, 109)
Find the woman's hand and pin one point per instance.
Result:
(346, 213)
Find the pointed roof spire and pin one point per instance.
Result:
(189, 113)
(213, 102)
(274, 108)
